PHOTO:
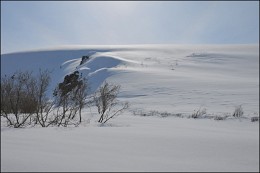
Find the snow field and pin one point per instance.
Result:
(165, 78)
(135, 144)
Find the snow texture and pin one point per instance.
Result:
(178, 79)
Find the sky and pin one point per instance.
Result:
(28, 25)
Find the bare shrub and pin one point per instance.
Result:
(44, 104)
(156, 113)
(199, 113)
(137, 112)
(23, 98)
(238, 111)
(220, 117)
(80, 95)
(17, 100)
(106, 102)
(254, 119)
(70, 97)
(167, 114)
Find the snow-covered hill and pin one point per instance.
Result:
(154, 79)
(175, 78)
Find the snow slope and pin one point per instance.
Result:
(171, 78)
(175, 78)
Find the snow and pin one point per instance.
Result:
(135, 144)
(177, 79)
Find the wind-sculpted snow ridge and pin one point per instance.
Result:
(64, 62)
(98, 67)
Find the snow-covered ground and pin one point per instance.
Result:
(165, 78)
(130, 143)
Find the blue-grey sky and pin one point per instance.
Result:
(29, 25)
